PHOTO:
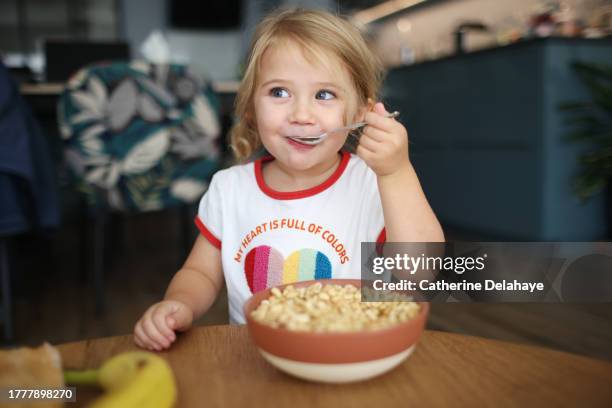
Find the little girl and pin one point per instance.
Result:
(299, 211)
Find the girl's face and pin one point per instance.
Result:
(295, 95)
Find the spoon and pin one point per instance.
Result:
(314, 140)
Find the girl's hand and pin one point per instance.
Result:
(384, 143)
(155, 330)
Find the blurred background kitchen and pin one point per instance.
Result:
(507, 103)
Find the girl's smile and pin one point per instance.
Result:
(299, 146)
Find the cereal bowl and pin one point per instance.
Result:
(332, 356)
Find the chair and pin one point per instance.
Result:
(138, 137)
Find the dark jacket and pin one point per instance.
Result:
(28, 182)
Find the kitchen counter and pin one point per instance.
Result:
(518, 45)
(218, 366)
(56, 88)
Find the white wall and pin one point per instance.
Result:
(139, 18)
(216, 54)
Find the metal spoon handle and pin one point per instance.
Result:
(357, 125)
(361, 124)
(318, 139)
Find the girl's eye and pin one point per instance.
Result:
(279, 93)
(325, 95)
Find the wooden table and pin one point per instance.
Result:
(218, 366)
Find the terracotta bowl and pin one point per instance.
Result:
(334, 357)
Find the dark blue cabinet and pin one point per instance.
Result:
(486, 138)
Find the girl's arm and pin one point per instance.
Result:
(198, 282)
(192, 291)
(384, 147)
(408, 216)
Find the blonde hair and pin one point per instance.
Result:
(318, 33)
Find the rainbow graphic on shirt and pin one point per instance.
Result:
(265, 267)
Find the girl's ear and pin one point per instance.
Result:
(371, 104)
(361, 112)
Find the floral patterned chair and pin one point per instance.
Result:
(137, 137)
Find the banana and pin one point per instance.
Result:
(133, 379)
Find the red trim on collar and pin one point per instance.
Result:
(207, 234)
(380, 241)
(382, 237)
(293, 195)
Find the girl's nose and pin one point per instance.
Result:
(302, 114)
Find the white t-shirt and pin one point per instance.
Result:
(268, 238)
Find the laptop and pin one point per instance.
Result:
(65, 57)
